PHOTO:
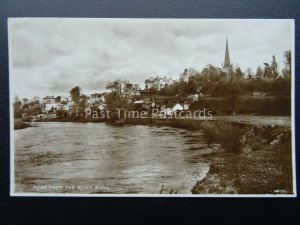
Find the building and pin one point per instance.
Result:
(157, 83)
(184, 76)
(187, 74)
(136, 87)
(96, 98)
(50, 106)
(48, 99)
(129, 87)
(49, 103)
(172, 108)
(227, 66)
(192, 98)
(63, 99)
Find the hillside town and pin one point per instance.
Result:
(224, 90)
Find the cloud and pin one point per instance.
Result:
(50, 56)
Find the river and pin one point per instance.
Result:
(97, 158)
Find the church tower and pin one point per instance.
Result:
(227, 67)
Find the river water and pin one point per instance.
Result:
(88, 158)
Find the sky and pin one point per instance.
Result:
(50, 56)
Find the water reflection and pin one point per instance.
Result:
(129, 159)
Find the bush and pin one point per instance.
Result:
(226, 134)
(209, 131)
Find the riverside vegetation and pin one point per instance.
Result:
(251, 160)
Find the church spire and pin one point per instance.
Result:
(227, 67)
(227, 58)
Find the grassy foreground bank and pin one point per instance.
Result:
(257, 160)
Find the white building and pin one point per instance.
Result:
(48, 99)
(187, 73)
(157, 82)
(171, 108)
(96, 98)
(51, 106)
(192, 98)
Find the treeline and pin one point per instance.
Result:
(210, 83)
(214, 82)
(24, 105)
(218, 85)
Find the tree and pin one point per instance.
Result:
(187, 88)
(271, 70)
(172, 89)
(288, 63)
(259, 72)
(57, 99)
(25, 100)
(267, 71)
(249, 73)
(191, 72)
(235, 92)
(238, 73)
(75, 94)
(83, 101)
(16, 98)
(274, 68)
(119, 95)
(211, 76)
(17, 107)
(36, 99)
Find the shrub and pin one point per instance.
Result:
(226, 134)
(209, 131)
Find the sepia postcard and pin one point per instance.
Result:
(152, 107)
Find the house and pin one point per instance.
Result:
(139, 105)
(157, 83)
(50, 106)
(135, 93)
(187, 74)
(70, 105)
(48, 99)
(65, 107)
(139, 102)
(96, 102)
(171, 108)
(136, 87)
(129, 87)
(63, 99)
(96, 98)
(186, 107)
(102, 107)
(192, 98)
(147, 105)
